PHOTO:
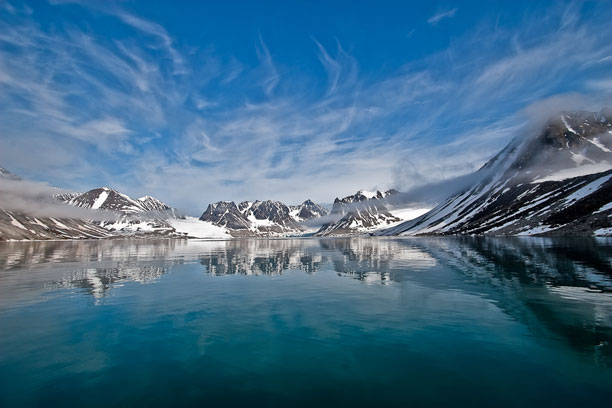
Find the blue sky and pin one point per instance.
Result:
(195, 102)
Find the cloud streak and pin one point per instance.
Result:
(441, 15)
(88, 107)
(36, 199)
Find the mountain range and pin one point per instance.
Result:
(256, 218)
(361, 212)
(556, 181)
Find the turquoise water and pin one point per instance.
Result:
(307, 322)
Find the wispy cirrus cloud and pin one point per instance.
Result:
(269, 72)
(342, 67)
(88, 107)
(441, 15)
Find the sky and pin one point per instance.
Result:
(196, 102)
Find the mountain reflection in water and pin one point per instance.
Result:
(558, 290)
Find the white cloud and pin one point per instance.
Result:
(271, 77)
(600, 84)
(440, 15)
(85, 107)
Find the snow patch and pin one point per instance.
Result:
(578, 158)
(196, 228)
(100, 200)
(37, 221)
(538, 230)
(16, 223)
(368, 194)
(568, 126)
(576, 172)
(407, 214)
(597, 143)
(605, 208)
(59, 224)
(256, 223)
(603, 231)
(294, 214)
(588, 189)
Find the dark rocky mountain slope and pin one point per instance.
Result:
(556, 183)
(261, 218)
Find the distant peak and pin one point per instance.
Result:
(147, 198)
(368, 194)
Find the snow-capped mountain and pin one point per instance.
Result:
(66, 196)
(556, 183)
(306, 211)
(32, 211)
(344, 205)
(256, 218)
(16, 224)
(360, 212)
(105, 198)
(145, 215)
(225, 214)
(149, 203)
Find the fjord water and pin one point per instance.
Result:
(307, 322)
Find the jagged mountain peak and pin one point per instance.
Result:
(308, 210)
(343, 205)
(225, 214)
(261, 217)
(109, 199)
(360, 212)
(149, 203)
(106, 198)
(581, 141)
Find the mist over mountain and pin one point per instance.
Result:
(554, 182)
(360, 212)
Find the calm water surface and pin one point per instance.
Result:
(307, 322)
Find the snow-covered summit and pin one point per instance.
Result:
(557, 182)
(106, 198)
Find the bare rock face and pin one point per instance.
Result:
(344, 205)
(225, 214)
(556, 182)
(261, 218)
(308, 210)
(361, 212)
